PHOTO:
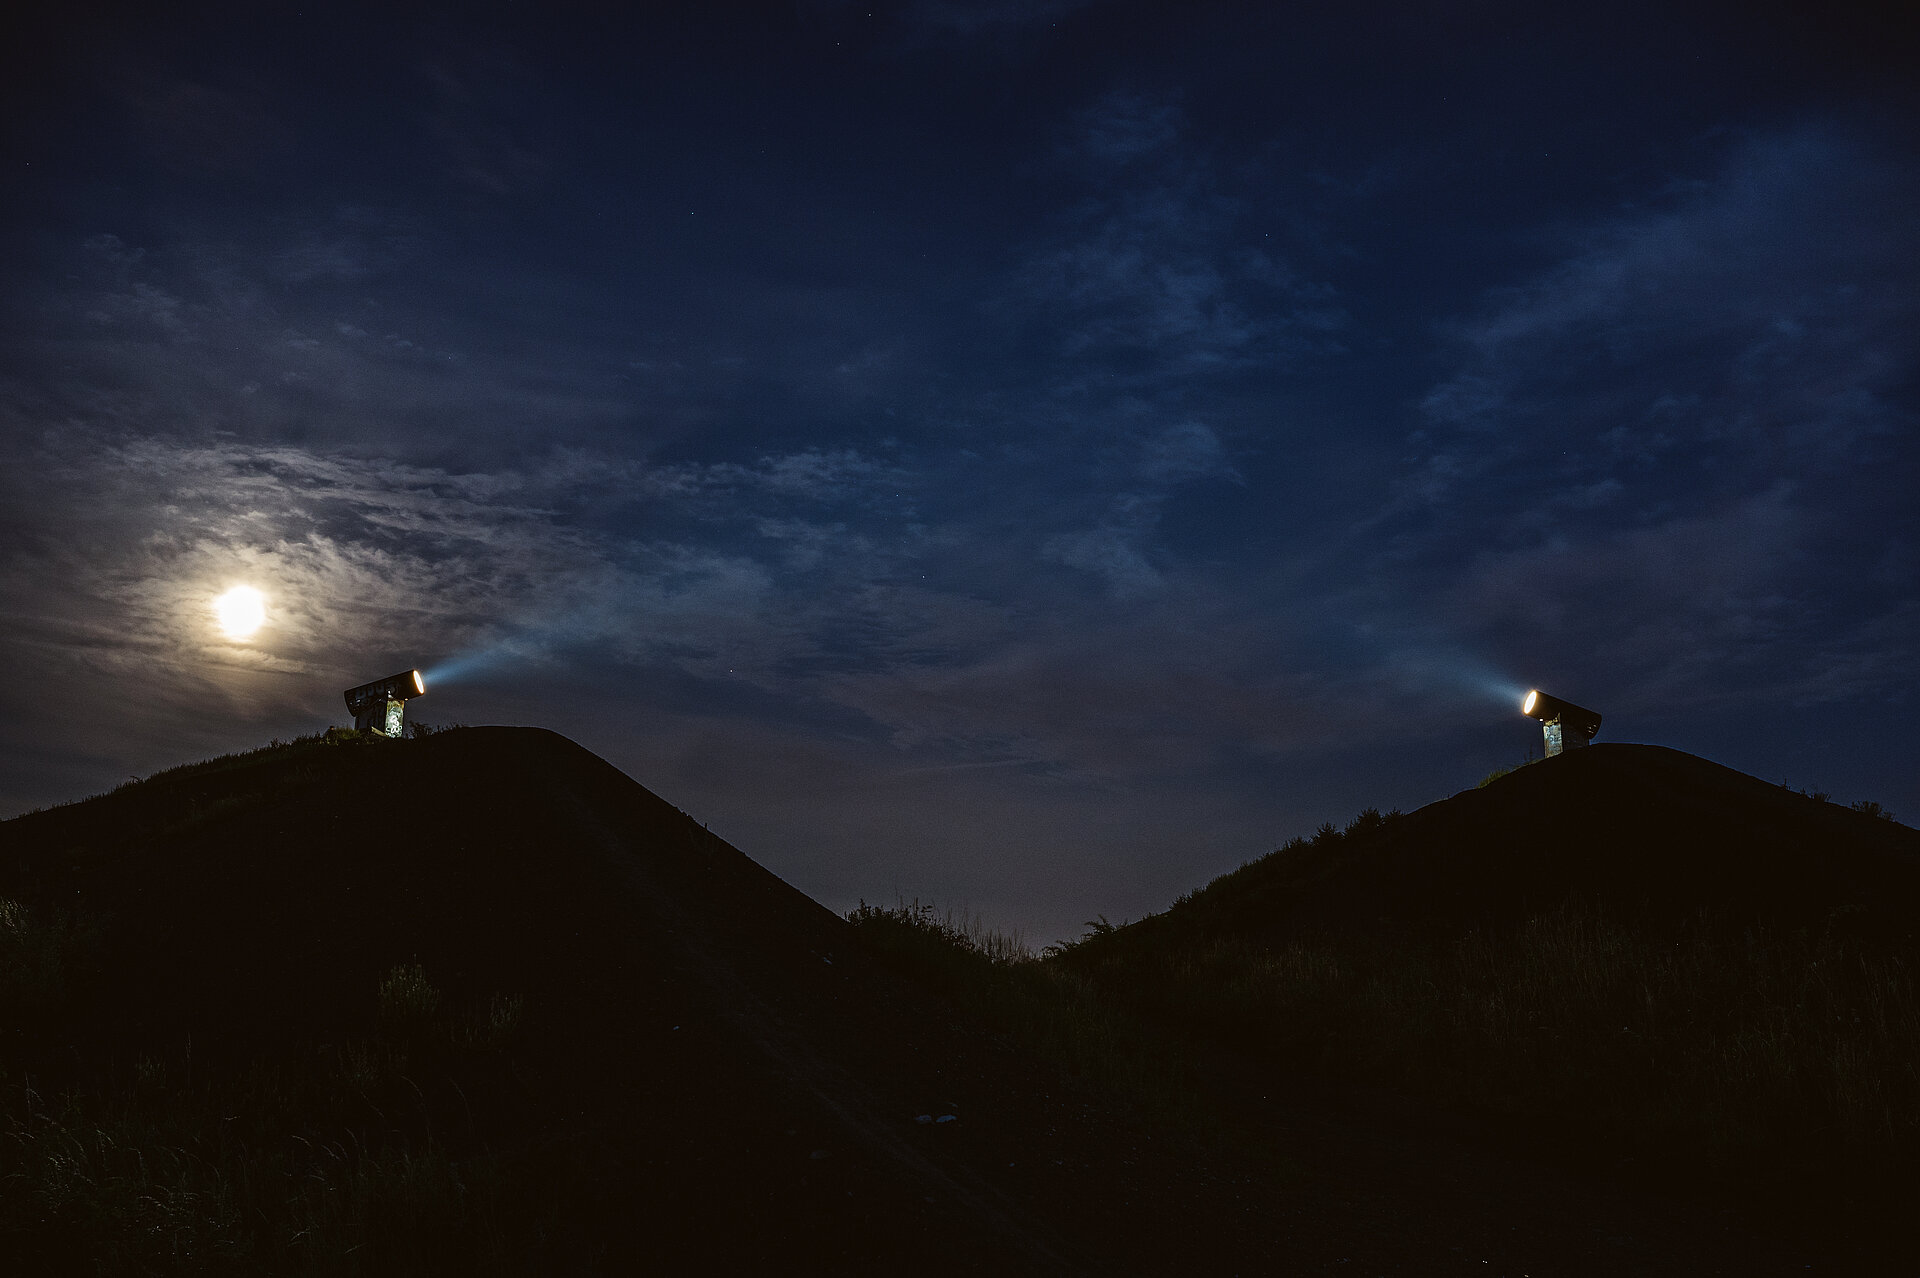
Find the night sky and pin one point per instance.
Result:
(1032, 454)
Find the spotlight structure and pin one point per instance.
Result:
(1566, 724)
(381, 706)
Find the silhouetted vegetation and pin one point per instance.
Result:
(391, 1140)
(1755, 1055)
(360, 1156)
(275, 750)
(1047, 1009)
(1872, 808)
(44, 956)
(1866, 807)
(1719, 1045)
(1497, 773)
(1714, 1052)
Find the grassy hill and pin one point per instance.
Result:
(474, 1002)
(1625, 956)
(1643, 832)
(480, 1003)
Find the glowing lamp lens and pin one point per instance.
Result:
(418, 686)
(1526, 707)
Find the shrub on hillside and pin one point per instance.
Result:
(1058, 1014)
(1760, 1052)
(918, 925)
(43, 958)
(408, 1000)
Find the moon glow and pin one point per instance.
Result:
(241, 612)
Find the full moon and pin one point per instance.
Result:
(241, 610)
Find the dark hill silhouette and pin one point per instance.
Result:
(1641, 831)
(710, 1072)
(724, 1080)
(1624, 956)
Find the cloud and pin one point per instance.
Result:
(1187, 451)
(828, 625)
(194, 127)
(142, 310)
(1656, 458)
(368, 553)
(353, 244)
(1114, 551)
(116, 255)
(1154, 271)
(247, 335)
(813, 474)
(1122, 548)
(1764, 314)
(1124, 128)
(352, 551)
(477, 121)
(1727, 606)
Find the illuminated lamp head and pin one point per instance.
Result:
(380, 706)
(1566, 724)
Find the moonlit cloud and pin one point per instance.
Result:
(956, 447)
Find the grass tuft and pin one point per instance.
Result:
(44, 958)
(409, 1002)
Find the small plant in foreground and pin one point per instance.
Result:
(502, 1024)
(42, 957)
(408, 1000)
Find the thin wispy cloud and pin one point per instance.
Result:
(976, 410)
(1635, 461)
(1155, 267)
